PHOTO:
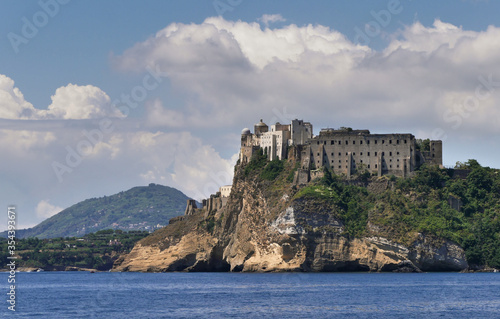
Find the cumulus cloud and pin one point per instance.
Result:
(68, 102)
(80, 102)
(228, 45)
(271, 18)
(12, 102)
(45, 210)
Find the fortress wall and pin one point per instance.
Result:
(349, 153)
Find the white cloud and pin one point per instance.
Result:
(68, 102)
(80, 102)
(271, 18)
(227, 45)
(157, 115)
(45, 210)
(12, 102)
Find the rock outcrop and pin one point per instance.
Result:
(263, 227)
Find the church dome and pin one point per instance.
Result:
(261, 124)
(245, 131)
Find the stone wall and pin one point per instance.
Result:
(354, 152)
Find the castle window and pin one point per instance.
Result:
(340, 154)
(432, 155)
(390, 160)
(340, 142)
(331, 142)
(375, 141)
(332, 161)
(375, 153)
(405, 141)
(390, 153)
(361, 161)
(318, 154)
(361, 154)
(398, 159)
(397, 142)
(353, 154)
(383, 141)
(353, 142)
(390, 141)
(324, 142)
(375, 165)
(398, 165)
(433, 149)
(360, 142)
(318, 142)
(368, 142)
(340, 166)
(340, 161)
(368, 153)
(368, 165)
(397, 153)
(346, 154)
(332, 153)
(390, 166)
(346, 142)
(383, 153)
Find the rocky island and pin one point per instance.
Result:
(291, 208)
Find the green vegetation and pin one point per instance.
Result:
(423, 145)
(269, 170)
(272, 170)
(140, 208)
(97, 250)
(351, 201)
(421, 204)
(258, 161)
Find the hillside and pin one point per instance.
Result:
(93, 251)
(140, 208)
(437, 220)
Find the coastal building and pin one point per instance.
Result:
(225, 190)
(345, 151)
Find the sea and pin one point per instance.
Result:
(252, 295)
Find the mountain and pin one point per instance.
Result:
(140, 208)
(437, 220)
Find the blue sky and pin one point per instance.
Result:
(415, 73)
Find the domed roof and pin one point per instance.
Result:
(261, 123)
(245, 131)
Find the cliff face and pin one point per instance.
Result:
(265, 227)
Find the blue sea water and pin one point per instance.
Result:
(242, 295)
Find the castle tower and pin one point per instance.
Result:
(436, 149)
(246, 145)
(260, 128)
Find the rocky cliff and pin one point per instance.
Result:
(268, 226)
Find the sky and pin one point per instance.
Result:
(97, 97)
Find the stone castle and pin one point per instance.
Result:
(345, 151)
